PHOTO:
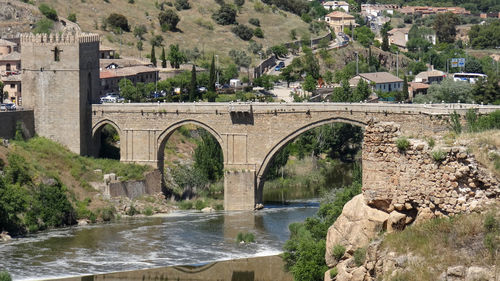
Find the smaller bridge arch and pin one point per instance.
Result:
(96, 136)
(264, 167)
(165, 135)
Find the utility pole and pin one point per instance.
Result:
(260, 72)
(357, 62)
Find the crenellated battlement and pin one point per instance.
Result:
(65, 38)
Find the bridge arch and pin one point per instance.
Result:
(96, 133)
(165, 135)
(265, 165)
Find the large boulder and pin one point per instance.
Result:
(354, 228)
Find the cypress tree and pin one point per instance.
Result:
(385, 42)
(163, 58)
(211, 81)
(193, 88)
(153, 56)
(405, 88)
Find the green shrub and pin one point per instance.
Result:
(455, 124)
(185, 205)
(258, 32)
(107, 214)
(438, 155)
(168, 20)
(338, 251)
(132, 211)
(491, 243)
(243, 31)
(490, 223)
(118, 21)
(5, 276)
(333, 272)
(148, 211)
(403, 144)
(219, 207)
(245, 237)
(431, 142)
(199, 204)
(72, 17)
(359, 256)
(254, 21)
(43, 26)
(48, 11)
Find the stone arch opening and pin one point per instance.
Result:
(278, 147)
(106, 136)
(191, 159)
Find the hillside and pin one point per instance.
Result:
(193, 27)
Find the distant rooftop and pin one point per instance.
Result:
(339, 14)
(4, 42)
(380, 77)
(126, 71)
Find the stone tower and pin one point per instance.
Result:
(60, 81)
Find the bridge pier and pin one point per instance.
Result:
(239, 189)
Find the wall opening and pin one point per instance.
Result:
(311, 164)
(191, 159)
(107, 139)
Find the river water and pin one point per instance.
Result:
(180, 238)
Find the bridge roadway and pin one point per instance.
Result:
(250, 134)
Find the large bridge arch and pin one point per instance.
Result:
(167, 132)
(265, 165)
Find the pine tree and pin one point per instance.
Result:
(193, 87)
(385, 42)
(211, 81)
(153, 56)
(163, 58)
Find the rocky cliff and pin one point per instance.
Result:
(406, 185)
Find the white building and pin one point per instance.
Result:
(332, 5)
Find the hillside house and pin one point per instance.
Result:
(338, 20)
(380, 81)
(111, 77)
(10, 71)
(333, 5)
(430, 76)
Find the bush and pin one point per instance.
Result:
(226, 15)
(490, 223)
(333, 272)
(258, 32)
(72, 17)
(438, 155)
(132, 211)
(431, 142)
(245, 237)
(359, 256)
(455, 124)
(168, 20)
(148, 211)
(182, 5)
(239, 2)
(5, 276)
(107, 214)
(48, 11)
(403, 144)
(338, 251)
(118, 21)
(199, 204)
(185, 205)
(43, 26)
(254, 21)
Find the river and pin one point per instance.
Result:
(180, 238)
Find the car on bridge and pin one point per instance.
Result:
(111, 98)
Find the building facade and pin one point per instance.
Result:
(338, 20)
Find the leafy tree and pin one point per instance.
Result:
(364, 35)
(243, 31)
(487, 91)
(72, 17)
(153, 56)
(226, 15)
(448, 91)
(254, 47)
(208, 157)
(264, 81)
(176, 56)
(230, 72)
(156, 40)
(241, 59)
(343, 93)
(279, 50)
(405, 88)
(211, 83)
(48, 12)
(182, 5)
(118, 21)
(311, 64)
(163, 58)
(289, 75)
(168, 20)
(139, 45)
(254, 21)
(309, 84)
(445, 27)
(473, 66)
(139, 31)
(485, 36)
(362, 91)
(193, 86)
(128, 91)
(43, 26)
(385, 42)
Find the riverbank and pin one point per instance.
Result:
(257, 268)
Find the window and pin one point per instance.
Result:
(7, 67)
(12, 86)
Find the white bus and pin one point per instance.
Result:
(468, 77)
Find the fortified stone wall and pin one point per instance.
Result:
(8, 123)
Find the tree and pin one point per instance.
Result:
(254, 47)
(1, 92)
(485, 36)
(445, 27)
(127, 90)
(385, 42)
(163, 58)
(279, 50)
(448, 91)
(208, 157)
(254, 21)
(264, 81)
(72, 17)
(48, 12)
(211, 80)
(405, 88)
(118, 21)
(241, 59)
(182, 5)
(193, 86)
(258, 32)
(473, 66)
(243, 31)
(168, 20)
(226, 15)
(309, 84)
(239, 3)
(139, 31)
(289, 75)
(343, 93)
(153, 56)
(487, 91)
(176, 56)
(311, 64)
(362, 91)
(364, 35)
(156, 40)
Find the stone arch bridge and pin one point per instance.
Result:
(250, 134)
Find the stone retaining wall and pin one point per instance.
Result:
(9, 119)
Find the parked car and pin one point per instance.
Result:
(111, 98)
(7, 106)
(281, 64)
(3, 107)
(277, 68)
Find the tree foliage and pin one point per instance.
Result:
(226, 15)
(118, 21)
(364, 36)
(168, 20)
(48, 12)
(208, 157)
(485, 36)
(448, 91)
(176, 56)
(445, 27)
(182, 5)
(243, 31)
